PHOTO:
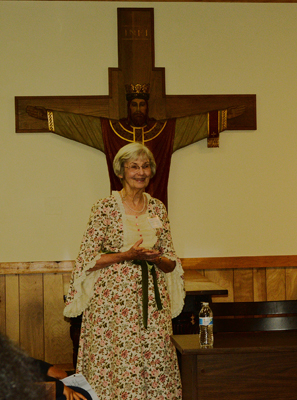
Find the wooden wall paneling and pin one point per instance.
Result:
(239, 262)
(291, 283)
(31, 295)
(259, 282)
(2, 305)
(224, 278)
(207, 1)
(31, 315)
(66, 281)
(57, 341)
(13, 308)
(243, 285)
(188, 263)
(36, 267)
(276, 283)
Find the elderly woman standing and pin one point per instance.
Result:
(128, 282)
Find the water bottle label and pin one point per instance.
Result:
(206, 321)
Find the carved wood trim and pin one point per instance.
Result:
(198, 1)
(240, 262)
(36, 267)
(208, 263)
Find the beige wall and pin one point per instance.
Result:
(240, 199)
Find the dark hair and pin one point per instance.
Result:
(17, 374)
(129, 110)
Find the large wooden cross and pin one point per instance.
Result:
(136, 65)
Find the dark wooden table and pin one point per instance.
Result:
(241, 366)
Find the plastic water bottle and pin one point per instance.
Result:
(206, 327)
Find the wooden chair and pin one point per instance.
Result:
(255, 316)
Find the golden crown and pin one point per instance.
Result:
(137, 91)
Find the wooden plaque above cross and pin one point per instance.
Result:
(136, 65)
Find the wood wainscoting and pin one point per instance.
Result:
(253, 278)
(31, 308)
(31, 296)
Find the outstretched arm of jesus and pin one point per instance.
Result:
(191, 129)
(81, 128)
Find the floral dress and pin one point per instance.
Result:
(120, 358)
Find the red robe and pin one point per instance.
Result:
(158, 137)
(161, 137)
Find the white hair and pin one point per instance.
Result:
(132, 151)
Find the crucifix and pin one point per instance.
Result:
(173, 115)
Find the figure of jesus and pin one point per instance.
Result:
(162, 137)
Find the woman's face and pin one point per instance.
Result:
(137, 173)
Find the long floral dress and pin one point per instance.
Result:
(119, 357)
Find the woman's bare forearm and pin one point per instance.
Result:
(108, 259)
(164, 264)
(135, 253)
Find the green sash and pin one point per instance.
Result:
(147, 266)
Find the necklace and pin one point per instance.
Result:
(136, 211)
